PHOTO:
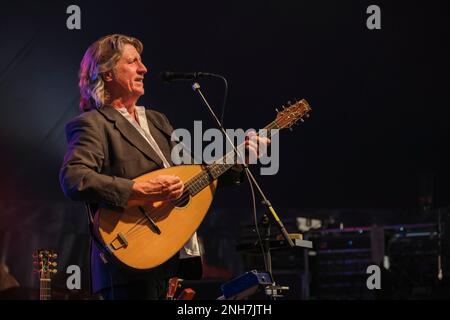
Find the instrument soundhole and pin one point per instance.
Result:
(183, 201)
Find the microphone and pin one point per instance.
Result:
(169, 76)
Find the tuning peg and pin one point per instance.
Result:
(54, 271)
(55, 255)
(54, 263)
(307, 115)
(289, 102)
(276, 109)
(302, 120)
(291, 129)
(283, 107)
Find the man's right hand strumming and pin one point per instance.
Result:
(161, 188)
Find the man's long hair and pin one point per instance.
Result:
(99, 58)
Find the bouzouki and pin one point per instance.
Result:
(144, 237)
(46, 267)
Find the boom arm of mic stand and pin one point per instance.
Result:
(266, 202)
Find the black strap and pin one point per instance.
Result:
(94, 237)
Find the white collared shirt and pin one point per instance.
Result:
(191, 248)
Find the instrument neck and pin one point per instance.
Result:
(45, 289)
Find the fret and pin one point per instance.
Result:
(45, 289)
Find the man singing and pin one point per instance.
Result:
(114, 141)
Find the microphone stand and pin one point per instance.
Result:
(196, 87)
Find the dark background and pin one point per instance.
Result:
(376, 143)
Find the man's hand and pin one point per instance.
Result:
(161, 188)
(252, 141)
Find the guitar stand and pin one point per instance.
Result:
(275, 291)
(272, 290)
(251, 282)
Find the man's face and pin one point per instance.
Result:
(128, 74)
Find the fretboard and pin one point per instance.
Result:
(45, 291)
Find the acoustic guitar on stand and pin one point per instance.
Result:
(44, 261)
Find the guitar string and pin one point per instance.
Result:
(196, 182)
(45, 288)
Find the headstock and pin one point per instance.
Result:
(174, 284)
(290, 115)
(45, 263)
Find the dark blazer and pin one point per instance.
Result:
(104, 153)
